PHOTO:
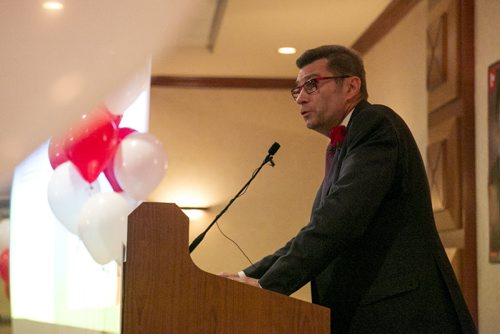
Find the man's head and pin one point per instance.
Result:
(341, 61)
(328, 86)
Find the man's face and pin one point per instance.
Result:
(327, 106)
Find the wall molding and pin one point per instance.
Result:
(223, 82)
(389, 18)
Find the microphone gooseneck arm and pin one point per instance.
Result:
(269, 158)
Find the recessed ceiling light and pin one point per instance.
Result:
(53, 5)
(287, 50)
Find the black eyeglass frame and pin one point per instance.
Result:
(311, 85)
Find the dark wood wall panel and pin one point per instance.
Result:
(450, 152)
(443, 170)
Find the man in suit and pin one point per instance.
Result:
(371, 249)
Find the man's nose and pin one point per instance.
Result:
(302, 97)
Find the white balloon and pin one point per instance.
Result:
(4, 234)
(140, 164)
(67, 192)
(103, 226)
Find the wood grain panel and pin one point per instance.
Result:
(442, 53)
(164, 291)
(443, 171)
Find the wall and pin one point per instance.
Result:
(214, 139)
(487, 16)
(396, 72)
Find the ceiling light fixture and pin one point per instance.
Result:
(53, 5)
(287, 50)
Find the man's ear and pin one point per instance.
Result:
(353, 86)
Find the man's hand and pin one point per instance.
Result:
(229, 275)
(246, 280)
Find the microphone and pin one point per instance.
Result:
(268, 159)
(270, 153)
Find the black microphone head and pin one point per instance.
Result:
(273, 149)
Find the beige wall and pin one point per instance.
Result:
(214, 139)
(487, 17)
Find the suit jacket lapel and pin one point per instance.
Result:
(340, 153)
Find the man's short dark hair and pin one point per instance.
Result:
(341, 61)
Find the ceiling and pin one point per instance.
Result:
(56, 68)
(252, 31)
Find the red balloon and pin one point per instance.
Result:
(57, 154)
(109, 171)
(124, 132)
(57, 148)
(118, 119)
(4, 265)
(5, 269)
(92, 142)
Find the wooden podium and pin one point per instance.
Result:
(165, 292)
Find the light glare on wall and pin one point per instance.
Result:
(194, 213)
(287, 50)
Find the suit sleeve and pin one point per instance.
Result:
(365, 177)
(258, 269)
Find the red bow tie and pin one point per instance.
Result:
(337, 135)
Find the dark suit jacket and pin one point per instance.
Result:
(371, 250)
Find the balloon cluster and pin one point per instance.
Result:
(133, 163)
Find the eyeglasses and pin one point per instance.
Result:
(311, 85)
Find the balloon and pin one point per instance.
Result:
(92, 143)
(118, 119)
(67, 192)
(5, 269)
(4, 265)
(140, 164)
(109, 171)
(4, 234)
(103, 226)
(57, 154)
(124, 132)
